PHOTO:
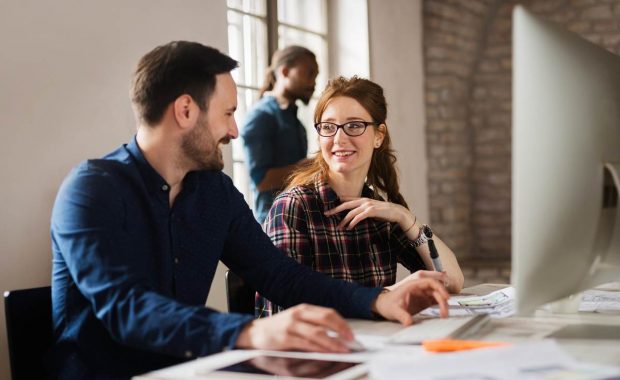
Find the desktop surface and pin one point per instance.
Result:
(587, 347)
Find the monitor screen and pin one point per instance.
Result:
(566, 160)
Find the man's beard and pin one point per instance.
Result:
(200, 148)
(301, 95)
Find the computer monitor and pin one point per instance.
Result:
(565, 164)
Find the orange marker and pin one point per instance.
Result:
(449, 345)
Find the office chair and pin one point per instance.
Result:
(29, 330)
(239, 296)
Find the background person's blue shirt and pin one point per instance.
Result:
(272, 138)
(131, 275)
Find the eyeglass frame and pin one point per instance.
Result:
(341, 126)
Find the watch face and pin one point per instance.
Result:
(428, 232)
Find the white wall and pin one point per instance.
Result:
(396, 63)
(65, 69)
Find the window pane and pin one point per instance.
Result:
(247, 43)
(257, 7)
(242, 181)
(246, 98)
(318, 45)
(308, 14)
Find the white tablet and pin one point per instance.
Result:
(265, 366)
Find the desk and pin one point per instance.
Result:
(512, 329)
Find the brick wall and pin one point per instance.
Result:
(489, 123)
(467, 48)
(453, 36)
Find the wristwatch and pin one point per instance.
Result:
(425, 234)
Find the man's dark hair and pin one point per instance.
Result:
(288, 57)
(174, 69)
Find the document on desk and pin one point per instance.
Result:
(530, 360)
(498, 304)
(600, 301)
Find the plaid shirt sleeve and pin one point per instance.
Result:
(287, 227)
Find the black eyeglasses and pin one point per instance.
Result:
(352, 128)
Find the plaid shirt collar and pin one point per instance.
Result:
(328, 196)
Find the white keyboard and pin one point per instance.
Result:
(439, 328)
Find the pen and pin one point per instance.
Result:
(431, 246)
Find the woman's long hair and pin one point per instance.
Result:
(382, 176)
(287, 56)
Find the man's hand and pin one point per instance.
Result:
(410, 297)
(303, 327)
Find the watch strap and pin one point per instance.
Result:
(421, 239)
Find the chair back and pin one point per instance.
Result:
(240, 296)
(29, 330)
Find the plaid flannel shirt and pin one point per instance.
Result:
(367, 254)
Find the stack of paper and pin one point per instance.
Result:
(532, 360)
(498, 304)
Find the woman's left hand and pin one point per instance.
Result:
(363, 208)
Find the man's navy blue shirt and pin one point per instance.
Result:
(131, 274)
(272, 138)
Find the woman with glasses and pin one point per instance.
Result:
(342, 213)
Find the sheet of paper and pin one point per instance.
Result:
(531, 360)
(497, 304)
(600, 301)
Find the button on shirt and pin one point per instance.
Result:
(272, 138)
(131, 274)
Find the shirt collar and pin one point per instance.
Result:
(292, 106)
(154, 182)
(328, 196)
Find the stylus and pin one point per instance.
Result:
(435, 256)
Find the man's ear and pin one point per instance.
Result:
(185, 111)
(283, 70)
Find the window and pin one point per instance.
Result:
(256, 28)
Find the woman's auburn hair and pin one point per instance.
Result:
(382, 177)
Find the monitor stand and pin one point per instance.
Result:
(568, 305)
(606, 264)
(606, 250)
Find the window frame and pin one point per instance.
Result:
(273, 24)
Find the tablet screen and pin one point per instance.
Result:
(294, 367)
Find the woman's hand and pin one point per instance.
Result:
(439, 276)
(363, 208)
